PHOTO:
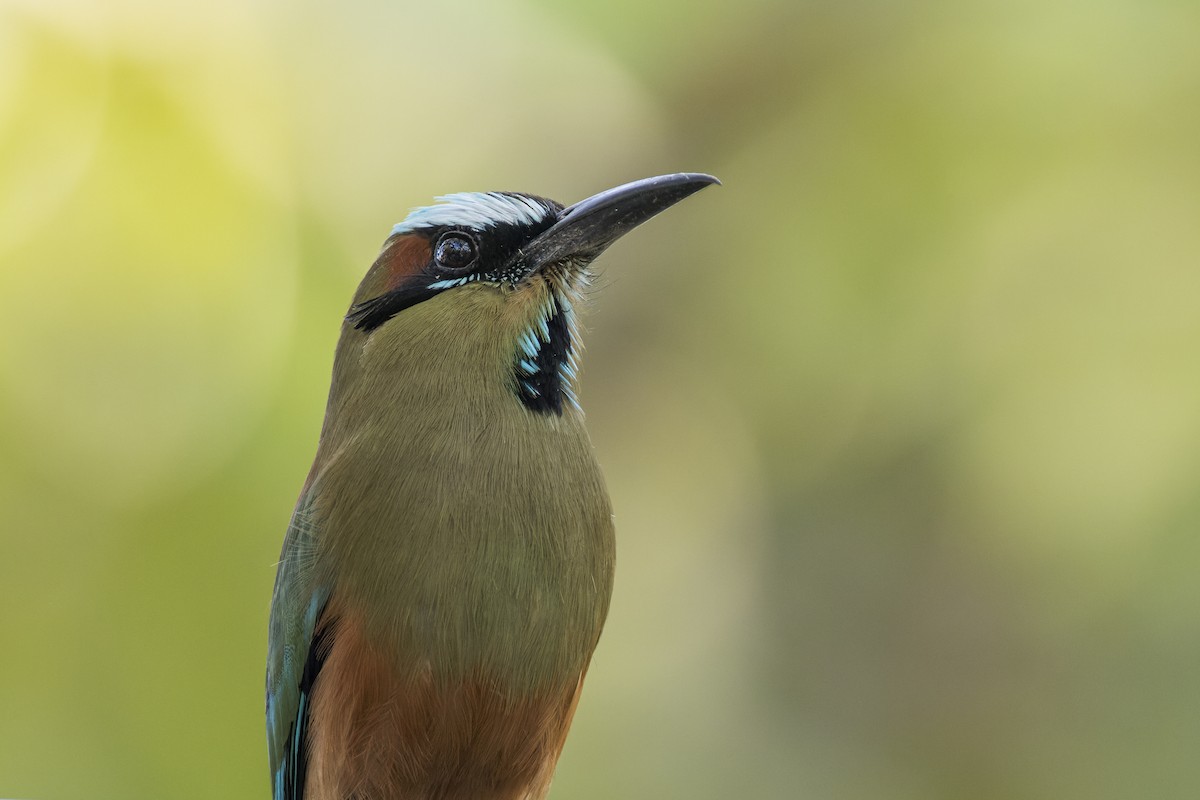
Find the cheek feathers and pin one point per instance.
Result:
(401, 258)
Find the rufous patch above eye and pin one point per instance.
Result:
(402, 257)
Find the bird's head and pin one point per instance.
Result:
(488, 283)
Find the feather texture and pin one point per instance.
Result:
(461, 547)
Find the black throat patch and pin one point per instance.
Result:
(545, 361)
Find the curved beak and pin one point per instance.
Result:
(585, 229)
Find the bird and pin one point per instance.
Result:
(448, 566)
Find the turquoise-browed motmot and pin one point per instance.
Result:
(449, 563)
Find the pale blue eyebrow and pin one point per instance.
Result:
(476, 210)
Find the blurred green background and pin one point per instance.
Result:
(902, 423)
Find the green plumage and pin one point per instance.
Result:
(472, 531)
(448, 568)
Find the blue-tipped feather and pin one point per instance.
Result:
(476, 210)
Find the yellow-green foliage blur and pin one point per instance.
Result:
(901, 424)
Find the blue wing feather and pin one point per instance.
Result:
(296, 647)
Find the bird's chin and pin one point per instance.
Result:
(570, 277)
(562, 285)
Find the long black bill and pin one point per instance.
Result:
(585, 229)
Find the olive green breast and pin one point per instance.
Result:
(475, 535)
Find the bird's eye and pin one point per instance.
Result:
(455, 251)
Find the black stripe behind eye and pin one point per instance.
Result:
(370, 314)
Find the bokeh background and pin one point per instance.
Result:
(902, 423)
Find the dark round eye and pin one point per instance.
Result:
(454, 251)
